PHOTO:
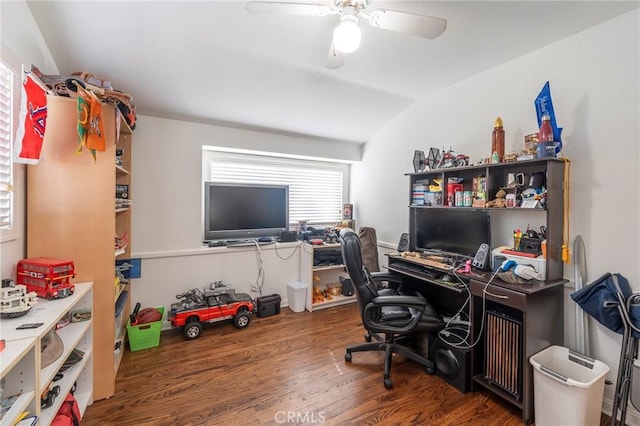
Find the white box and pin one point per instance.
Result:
(297, 296)
(568, 387)
(538, 263)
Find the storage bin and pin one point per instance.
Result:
(145, 336)
(297, 296)
(568, 387)
(268, 305)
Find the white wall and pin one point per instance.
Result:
(167, 175)
(21, 43)
(167, 220)
(164, 275)
(594, 83)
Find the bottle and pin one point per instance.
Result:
(497, 141)
(546, 132)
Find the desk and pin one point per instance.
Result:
(515, 321)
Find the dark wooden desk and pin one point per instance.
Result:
(511, 322)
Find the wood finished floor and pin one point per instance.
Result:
(286, 363)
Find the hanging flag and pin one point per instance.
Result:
(95, 133)
(32, 120)
(90, 125)
(82, 106)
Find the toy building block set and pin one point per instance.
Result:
(49, 278)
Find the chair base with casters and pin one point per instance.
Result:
(389, 346)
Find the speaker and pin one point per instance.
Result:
(481, 260)
(453, 364)
(403, 244)
(347, 286)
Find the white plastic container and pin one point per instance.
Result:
(568, 387)
(297, 296)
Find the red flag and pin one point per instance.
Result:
(32, 121)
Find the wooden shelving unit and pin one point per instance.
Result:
(71, 215)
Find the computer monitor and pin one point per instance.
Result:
(452, 231)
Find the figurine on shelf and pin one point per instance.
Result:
(450, 160)
(499, 201)
(317, 295)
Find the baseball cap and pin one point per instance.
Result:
(51, 348)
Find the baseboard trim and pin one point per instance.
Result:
(633, 416)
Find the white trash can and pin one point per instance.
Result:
(297, 296)
(568, 387)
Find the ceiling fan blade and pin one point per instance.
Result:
(335, 58)
(409, 23)
(277, 8)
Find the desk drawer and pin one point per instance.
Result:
(500, 295)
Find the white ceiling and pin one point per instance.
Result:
(213, 62)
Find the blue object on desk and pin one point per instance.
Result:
(507, 264)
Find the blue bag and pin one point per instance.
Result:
(601, 300)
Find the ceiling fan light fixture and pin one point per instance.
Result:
(347, 34)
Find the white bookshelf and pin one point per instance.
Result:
(20, 360)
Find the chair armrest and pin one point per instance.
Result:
(394, 281)
(391, 277)
(418, 303)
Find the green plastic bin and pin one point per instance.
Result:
(145, 336)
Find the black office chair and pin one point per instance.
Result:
(393, 313)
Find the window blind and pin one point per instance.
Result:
(315, 187)
(6, 171)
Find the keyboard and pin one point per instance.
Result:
(415, 269)
(423, 273)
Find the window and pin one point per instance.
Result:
(6, 130)
(317, 189)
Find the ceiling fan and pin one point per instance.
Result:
(346, 37)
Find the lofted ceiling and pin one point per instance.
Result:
(213, 62)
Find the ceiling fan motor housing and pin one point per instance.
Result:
(357, 4)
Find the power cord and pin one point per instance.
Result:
(464, 344)
(454, 324)
(292, 253)
(257, 286)
(260, 277)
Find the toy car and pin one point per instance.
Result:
(217, 304)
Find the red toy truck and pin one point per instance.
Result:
(49, 278)
(220, 303)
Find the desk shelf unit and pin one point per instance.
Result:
(532, 312)
(327, 274)
(495, 176)
(20, 362)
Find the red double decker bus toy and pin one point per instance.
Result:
(49, 278)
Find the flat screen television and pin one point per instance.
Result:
(452, 231)
(244, 210)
